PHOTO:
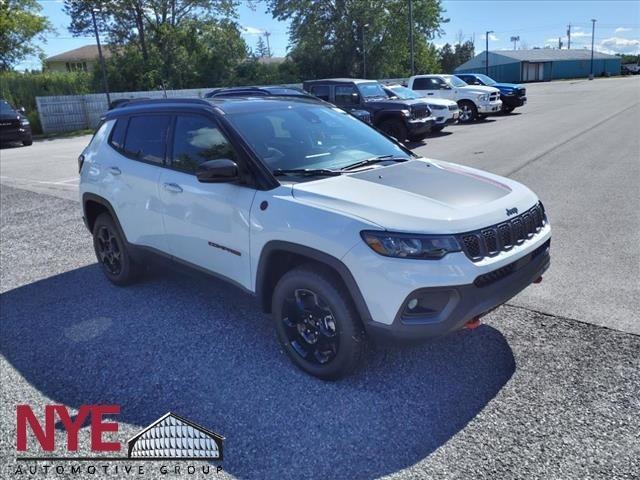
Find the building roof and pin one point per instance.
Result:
(550, 54)
(88, 52)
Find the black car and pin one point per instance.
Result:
(275, 91)
(14, 125)
(401, 119)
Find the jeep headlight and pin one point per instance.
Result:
(406, 245)
(405, 112)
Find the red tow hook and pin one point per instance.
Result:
(538, 280)
(472, 324)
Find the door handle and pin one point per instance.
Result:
(173, 187)
(114, 171)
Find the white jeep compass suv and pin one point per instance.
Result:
(340, 232)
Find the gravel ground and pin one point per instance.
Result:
(527, 395)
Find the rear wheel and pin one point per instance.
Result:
(394, 128)
(112, 252)
(316, 323)
(468, 111)
(27, 142)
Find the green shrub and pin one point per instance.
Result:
(21, 89)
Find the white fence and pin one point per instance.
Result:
(65, 113)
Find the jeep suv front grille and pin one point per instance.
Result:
(490, 241)
(418, 113)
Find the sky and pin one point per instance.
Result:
(538, 23)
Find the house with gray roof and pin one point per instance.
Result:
(542, 64)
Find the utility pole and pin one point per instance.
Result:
(515, 40)
(486, 51)
(559, 43)
(593, 32)
(411, 37)
(102, 65)
(267, 35)
(569, 37)
(364, 52)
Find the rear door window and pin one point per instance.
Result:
(146, 137)
(346, 95)
(321, 91)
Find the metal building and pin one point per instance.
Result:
(544, 64)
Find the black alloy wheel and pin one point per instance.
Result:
(310, 327)
(108, 251)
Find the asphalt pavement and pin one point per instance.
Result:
(538, 391)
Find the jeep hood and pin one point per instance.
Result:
(395, 104)
(419, 196)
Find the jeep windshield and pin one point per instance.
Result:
(371, 90)
(292, 136)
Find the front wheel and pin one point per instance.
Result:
(316, 323)
(27, 142)
(437, 129)
(468, 111)
(394, 128)
(507, 109)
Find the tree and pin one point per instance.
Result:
(327, 37)
(261, 48)
(464, 52)
(173, 43)
(21, 24)
(447, 58)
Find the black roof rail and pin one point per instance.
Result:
(142, 101)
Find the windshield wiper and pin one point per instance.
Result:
(307, 172)
(373, 161)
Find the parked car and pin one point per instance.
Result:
(630, 69)
(341, 232)
(445, 111)
(474, 101)
(401, 119)
(14, 125)
(511, 94)
(276, 91)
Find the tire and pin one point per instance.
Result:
(417, 138)
(468, 111)
(112, 252)
(507, 110)
(437, 129)
(28, 142)
(394, 128)
(328, 344)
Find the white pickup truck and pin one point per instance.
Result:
(474, 101)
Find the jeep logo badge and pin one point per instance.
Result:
(511, 211)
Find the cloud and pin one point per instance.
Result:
(619, 45)
(493, 37)
(622, 29)
(247, 30)
(580, 34)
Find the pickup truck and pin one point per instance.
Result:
(445, 111)
(401, 119)
(511, 94)
(474, 101)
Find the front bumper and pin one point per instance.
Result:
(420, 126)
(15, 134)
(490, 107)
(455, 288)
(513, 101)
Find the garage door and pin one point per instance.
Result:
(532, 72)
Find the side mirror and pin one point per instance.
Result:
(445, 87)
(222, 170)
(355, 98)
(22, 110)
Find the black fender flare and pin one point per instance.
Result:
(92, 197)
(335, 264)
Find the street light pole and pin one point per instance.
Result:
(102, 65)
(364, 53)
(593, 31)
(411, 37)
(486, 52)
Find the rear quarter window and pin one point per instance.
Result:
(117, 134)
